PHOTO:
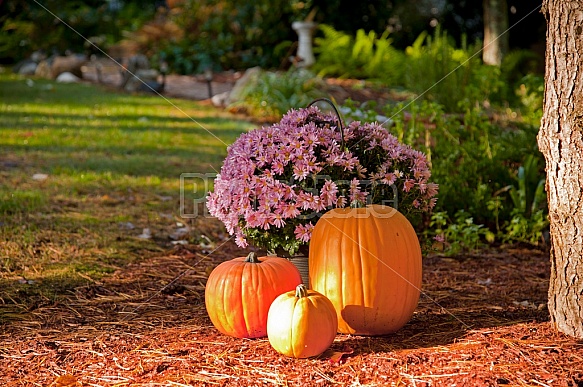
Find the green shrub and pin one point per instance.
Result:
(459, 234)
(528, 217)
(452, 77)
(515, 66)
(530, 92)
(271, 94)
(483, 155)
(365, 56)
(230, 35)
(26, 26)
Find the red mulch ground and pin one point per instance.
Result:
(481, 321)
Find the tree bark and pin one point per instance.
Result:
(495, 35)
(561, 141)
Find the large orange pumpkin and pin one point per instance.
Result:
(301, 323)
(367, 261)
(239, 292)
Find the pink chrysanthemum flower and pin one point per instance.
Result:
(277, 180)
(304, 232)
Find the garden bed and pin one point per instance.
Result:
(481, 320)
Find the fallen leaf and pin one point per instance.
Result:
(65, 381)
(336, 356)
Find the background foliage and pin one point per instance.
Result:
(480, 121)
(239, 34)
(26, 27)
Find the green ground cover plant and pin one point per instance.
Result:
(271, 94)
(497, 191)
(83, 171)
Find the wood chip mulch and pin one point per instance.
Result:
(482, 321)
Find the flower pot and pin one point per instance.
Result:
(301, 262)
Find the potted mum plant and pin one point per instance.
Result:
(277, 180)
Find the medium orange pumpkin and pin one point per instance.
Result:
(367, 261)
(301, 323)
(239, 292)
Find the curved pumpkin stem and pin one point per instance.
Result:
(301, 291)
(252, 257)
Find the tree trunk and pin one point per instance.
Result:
(561, 141)
(495, 31)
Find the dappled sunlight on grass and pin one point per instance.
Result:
(84, 171)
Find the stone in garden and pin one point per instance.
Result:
(219, 100)
(39, 176)
(69, 63)
(43, 69)
(242, 83)
(146, 234)
(68, 77)
(133, 65)
(26, 67)
(37, 56)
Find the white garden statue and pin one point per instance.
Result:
(304, 29)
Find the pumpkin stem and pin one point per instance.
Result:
(357, 204)
(252, 257)
(301, 291)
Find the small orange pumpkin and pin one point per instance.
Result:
(301, 323)
(239, 292)
(367, 261)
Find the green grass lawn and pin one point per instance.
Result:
(113, 164)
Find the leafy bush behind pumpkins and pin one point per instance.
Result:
(495, 192)
(432, 66)
(365, 56)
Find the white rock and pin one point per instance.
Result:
(39, 176)
(220, 100)
(27, 69)
(146, 234)
(251, 75)
(68, 77)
